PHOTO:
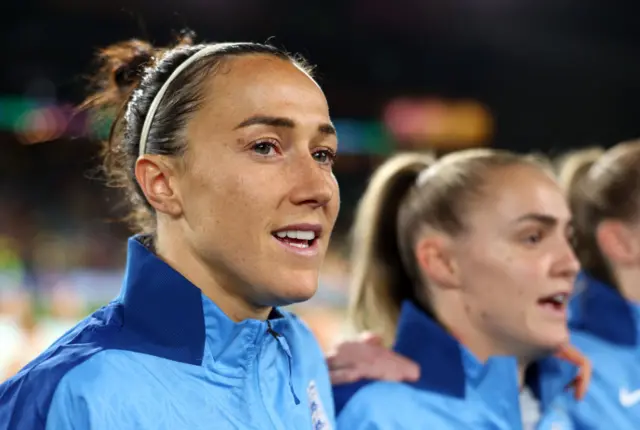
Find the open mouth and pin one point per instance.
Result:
(301, 239)
(556, 303)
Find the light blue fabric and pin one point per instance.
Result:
(163, 356)
(606, 328)
(455, 390)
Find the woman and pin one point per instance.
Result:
(226, 152)
(603, 188)
(466, 263)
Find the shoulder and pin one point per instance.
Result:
(588, 342)
(384, 403)
(27, 396)
(603, 354)
(395, 405)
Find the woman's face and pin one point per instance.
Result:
(516, 262)
(258, 196)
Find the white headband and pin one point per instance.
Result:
(426, 174)
(158, 98)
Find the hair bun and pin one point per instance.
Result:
(130, 73)
(186, 36)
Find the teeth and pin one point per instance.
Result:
(559, 298)
(297, 234)
(300, 245)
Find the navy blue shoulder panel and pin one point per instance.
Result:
(25, 398)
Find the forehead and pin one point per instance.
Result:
(512, 192)
(262, 84)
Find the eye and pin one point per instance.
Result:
(265, 148)
(325, 156)
(533, 238)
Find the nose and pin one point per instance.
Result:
(311, 183)
(568, 264)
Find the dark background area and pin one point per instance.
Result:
(553, 75)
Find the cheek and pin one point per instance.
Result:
(222, 201)
(497, 278)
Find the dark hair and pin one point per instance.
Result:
(600, 185)
(130, 77)
(406, 193)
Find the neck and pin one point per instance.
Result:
(452, 313)
(458, 325)
(627, 283)
(478, 341)
(218, 287)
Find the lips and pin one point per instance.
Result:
(300, 237)
(555, 302)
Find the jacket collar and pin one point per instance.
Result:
(600, 310)
(173, 319)
(548, 378)
(446, 366)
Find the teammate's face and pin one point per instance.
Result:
(516, 263)
(259, 196)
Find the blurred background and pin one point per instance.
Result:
(527, 75)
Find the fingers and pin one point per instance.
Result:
(332, 363)
(344, 376)
(571, 354)
(371, 339)
(410, 369)
(582, 380)
(367, 358)
(351, 354)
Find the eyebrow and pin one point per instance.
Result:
(547, 220)
(273, 121)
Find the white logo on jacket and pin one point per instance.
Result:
(629, 398)
(318, 415)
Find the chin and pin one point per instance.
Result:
(552, 339)
(293, 288)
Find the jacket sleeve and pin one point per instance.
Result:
(380, 406)
(68, 411)
(19, 406)
(345, 422)
(36, 399)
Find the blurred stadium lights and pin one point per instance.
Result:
(363, 137)
(437, 123)
(414, 123)
(42, 124)
(36, 122)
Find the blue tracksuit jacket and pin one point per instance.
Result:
(163, 356)
(455, 390)
(606, 327)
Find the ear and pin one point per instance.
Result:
(435, 260)
(618, 242)
(157, 178)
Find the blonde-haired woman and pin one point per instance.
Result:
(465, 263)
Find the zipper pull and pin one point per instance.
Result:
(272, 332)
(287, 351)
